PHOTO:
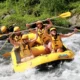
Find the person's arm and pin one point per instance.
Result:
(13, 42)
(69, 34)
(50, 47)
(50, 24)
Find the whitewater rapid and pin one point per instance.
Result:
(67, 71)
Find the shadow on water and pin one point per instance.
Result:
(52, 66)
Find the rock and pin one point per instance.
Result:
(75, 20)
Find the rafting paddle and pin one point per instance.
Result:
(6, 55)
(63, 15)
(67, 28)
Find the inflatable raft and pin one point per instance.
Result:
(39, 60)
(3, 37)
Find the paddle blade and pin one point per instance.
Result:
(0, 35)
(7, 54)
(64, 15)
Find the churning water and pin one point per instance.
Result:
(67, 71)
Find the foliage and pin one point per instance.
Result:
(61, 22)
(21, 12)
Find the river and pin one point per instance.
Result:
(67, 71)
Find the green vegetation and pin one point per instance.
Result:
(20, 12)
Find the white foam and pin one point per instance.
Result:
(68, 71)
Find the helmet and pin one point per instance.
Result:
(3, 29)
(16, 28)
(38, 22)
(25, 36)
(52, 29)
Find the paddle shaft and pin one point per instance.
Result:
(63, 15)
(35, 28)
(64, 28)
(19, 31)
(3, 45)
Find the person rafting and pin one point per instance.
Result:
(16, 36)
(15, 40)
(56, 44)
(43, 30)
(5, 30)
(25, 47)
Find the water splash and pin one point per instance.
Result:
(67, 71)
